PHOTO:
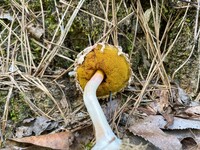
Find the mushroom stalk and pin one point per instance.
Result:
(105, 138)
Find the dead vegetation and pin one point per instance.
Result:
(39, 42)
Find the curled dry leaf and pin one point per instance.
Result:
(60, 140)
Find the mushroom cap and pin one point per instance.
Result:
(107, 58)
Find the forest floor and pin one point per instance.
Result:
(40, 104)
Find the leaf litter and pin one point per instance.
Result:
(151, 132)
(162, 125)
(175, 116)
(35, 126)
(61, 140)
(169, 124)
(32, 129)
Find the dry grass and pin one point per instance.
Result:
(23, 68)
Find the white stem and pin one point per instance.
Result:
(105, 138)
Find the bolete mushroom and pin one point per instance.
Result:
(101, 69)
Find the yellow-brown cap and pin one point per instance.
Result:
(107, 58)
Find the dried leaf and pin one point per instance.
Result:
(149, 109)
(178, 123)
(23, 131)
(151, 132)
(163, 102)
(193, 111)
(60, 140)
(183, 96)
(153, 108)
(28, 120)
(40, 125)
(36, 126)
(169, 119)
(150, 129)
(183, 134)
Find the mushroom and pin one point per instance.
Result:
(101, 69)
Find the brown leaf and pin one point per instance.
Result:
(169, 118)
(178, 123)
(60, 140)
(155, 135)
(163, 102)
(184, 134)
(150, 129)
(193, 111)
(149, 110)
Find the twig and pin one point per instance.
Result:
(114, 15)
